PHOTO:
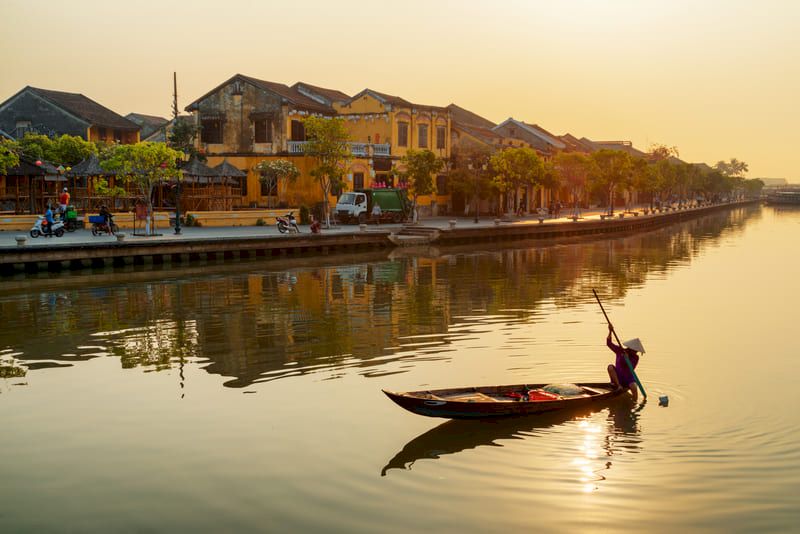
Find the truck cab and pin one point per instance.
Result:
(352, 207)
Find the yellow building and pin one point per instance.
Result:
(248, 121)
(384, 128)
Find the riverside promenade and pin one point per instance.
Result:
(80, 249)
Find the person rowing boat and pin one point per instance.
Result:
(621, 375)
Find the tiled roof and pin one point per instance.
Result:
(468, 118)
(85, 108)
(625, 146)
(576, 145)
(293, 96)
(542, 130)
(148, 123)
(333, 95)
(397, 101)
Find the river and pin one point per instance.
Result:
(246, 396)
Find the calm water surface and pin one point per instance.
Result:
(246, 396)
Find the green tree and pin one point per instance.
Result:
(8, 155)
(182, 137)
(272, 172)
(514, 168)
(573, 169)
(658, 152)
(67, 150)
(71, 149)
(612, 171)
(145, 165)
(468, 175)
(328, 144)
(753, 187)
(420, 167)
(732, 168)
(37, 146)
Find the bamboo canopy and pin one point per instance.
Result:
(30, 187)
(210, 189)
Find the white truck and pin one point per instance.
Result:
(356, 206)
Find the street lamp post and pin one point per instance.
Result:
(178, 207)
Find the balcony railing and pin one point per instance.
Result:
(357, 149)
(382, 150)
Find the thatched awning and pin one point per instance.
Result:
(197, 169)
(90, 167)
(226, 170)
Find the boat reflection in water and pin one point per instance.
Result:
(620, 425)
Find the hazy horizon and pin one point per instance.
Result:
(717, 80)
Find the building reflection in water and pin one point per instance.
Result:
(259, 321)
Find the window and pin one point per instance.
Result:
(22, 128)
(440, 133)
(441, 184)
(298, 131)
(263, 131)
(422, 136)
(512, 131)
(117, 136)
(358, 180)
(402, 134)
(101, 133)
(211, 131)
(243, 185)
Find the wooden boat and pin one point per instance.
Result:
(500, 401)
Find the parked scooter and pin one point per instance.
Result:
(103, 224)
(40, 228)
(287, 224)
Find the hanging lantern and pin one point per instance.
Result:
(38, 163)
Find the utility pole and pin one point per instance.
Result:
(178, 180)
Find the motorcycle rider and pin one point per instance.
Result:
(48, 217)
(106, 215)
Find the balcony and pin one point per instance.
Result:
(357, 149)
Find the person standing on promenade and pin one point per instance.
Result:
(376, 213)
(63, 202)
(619, 372)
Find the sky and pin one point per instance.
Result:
(716, 79)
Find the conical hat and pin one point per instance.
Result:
(634, 344)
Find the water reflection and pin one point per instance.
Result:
(596, 441)
(258, 321)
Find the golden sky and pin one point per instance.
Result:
(717, 79)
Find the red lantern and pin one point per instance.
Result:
(38, 163)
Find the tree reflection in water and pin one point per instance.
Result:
(256, 321)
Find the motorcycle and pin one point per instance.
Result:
(102, 226)
(70, 218)
(287, 224)
(39, 228)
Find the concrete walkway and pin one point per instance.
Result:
(189, 233)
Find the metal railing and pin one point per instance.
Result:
(357, 149)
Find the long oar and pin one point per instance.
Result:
(636, 378)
